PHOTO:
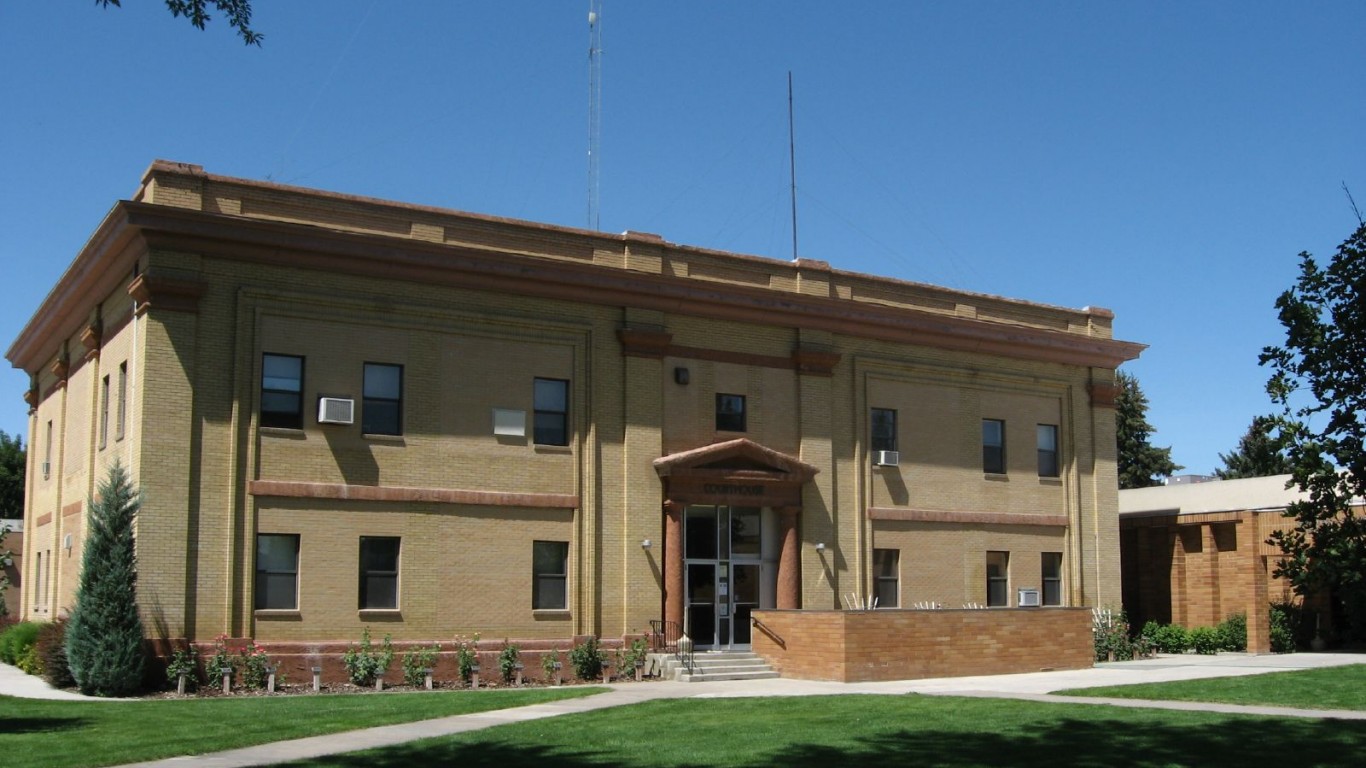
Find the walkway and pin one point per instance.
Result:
(1030, 687)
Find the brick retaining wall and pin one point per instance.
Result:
(862, 646)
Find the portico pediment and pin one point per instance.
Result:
(735, 459)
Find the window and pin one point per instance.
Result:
(282, 391)
(1052, 578)
(994, 446)
(38, 596)
(551, 417)
(379, 572)
(886, 577)
(550, 575)
(47, 451)
(382, 408)
(104, 412)
(123, 401)
(998, 582)
(277, 571)
(730, 413)
(884, 429)
(1048, 450)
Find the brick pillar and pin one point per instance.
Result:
(789, 561)
(673, 563)
(1259, 608)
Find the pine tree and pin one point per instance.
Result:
(1259, 453)
(104, 637)
(1140, 463)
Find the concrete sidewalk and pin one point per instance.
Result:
(1030, 687)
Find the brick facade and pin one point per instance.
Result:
(184, 290)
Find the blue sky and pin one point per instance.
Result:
(1167, 160)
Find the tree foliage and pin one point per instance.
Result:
(104, 637)
(1141, 464)
(12, 462)
(197, 11)
(1260, 453)
(1319, 381)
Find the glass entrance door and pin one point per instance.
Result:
(722, 551)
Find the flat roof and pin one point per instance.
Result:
(1214, 496)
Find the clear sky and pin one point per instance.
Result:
(1167, 160)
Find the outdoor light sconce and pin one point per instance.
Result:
(820, 546)
(681, 376)
(646, 543)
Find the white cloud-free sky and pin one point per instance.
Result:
(1167, 160)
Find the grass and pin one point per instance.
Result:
(867, 731)
(93, 733)
(1330, 688)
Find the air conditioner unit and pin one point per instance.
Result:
(336, 410)
(886, 458)
(1027, 598)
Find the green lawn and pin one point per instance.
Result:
(884, 731)
(1330, 688)
(80, 733)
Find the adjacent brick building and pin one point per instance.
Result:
(346, 412)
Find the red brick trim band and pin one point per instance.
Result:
(71, 509)
(971, 518)
(295, 490)
(42, 520)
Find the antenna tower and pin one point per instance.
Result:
(594, 106)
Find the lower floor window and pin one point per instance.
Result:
(1052, 578)
(998, 581)
(379, 571)
(886, 577)
(277, 571)
(550, 574)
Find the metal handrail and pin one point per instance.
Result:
(767, 630)
(664, 636)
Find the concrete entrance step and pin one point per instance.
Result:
(718, 665)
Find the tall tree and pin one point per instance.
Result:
(1260, 453)
(104, 637)
(12, 462)
(1319, 380)
(197, 11)
(1141, 464)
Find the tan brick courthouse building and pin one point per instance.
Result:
(346, 412)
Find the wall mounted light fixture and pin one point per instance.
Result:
(820, 546)
(646, 543)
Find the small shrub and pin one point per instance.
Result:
(1171, 638)
(586, 658)
(184, 661)
(416, 663)
(16, 641)
(1286, 620)
(548, 662)
(507, 661)
(51, 647)
(29, 661)
(1233, 633)
(255, 665)
(363, 663)
(1206, 640)
(636, 653)
(222, 658)
(466, 656)
(1110, 634)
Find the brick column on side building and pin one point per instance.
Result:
(673, 562)
(789, 560)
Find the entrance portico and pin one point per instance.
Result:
(730, 508)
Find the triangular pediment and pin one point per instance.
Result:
(739, 456)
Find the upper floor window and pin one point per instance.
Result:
(884, 429)
(104, 412)
(551, 416)
(1048, 450)
(282, 391)
(123, 401)
(730, 413)
(993, 446)
(382, 406)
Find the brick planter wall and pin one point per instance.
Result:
(862, 646)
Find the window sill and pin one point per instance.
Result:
(550, 614)
(1053, 481)
(380, 614)
(395, 439)
(278, 614)
(564, 450)
(996, 477)
(286, 432)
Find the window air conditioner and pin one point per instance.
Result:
(336, 410)
(1027, 598)
(886, 458)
